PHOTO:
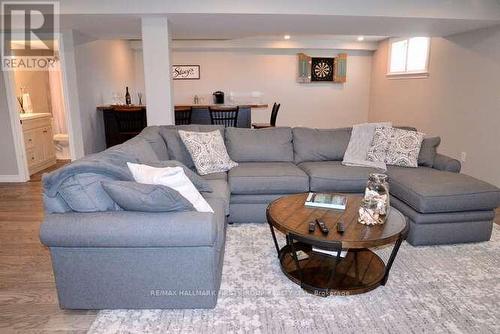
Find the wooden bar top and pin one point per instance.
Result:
(206, 106)
(201, 106)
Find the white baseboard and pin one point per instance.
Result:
(11, 178)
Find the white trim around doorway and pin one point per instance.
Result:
(73, 123)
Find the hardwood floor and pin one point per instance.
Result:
(28, 299)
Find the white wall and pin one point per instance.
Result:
(8, 163)
(102, 67)
(459, 101)
(273, 72)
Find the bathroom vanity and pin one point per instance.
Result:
(38, 141)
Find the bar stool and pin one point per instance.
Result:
(272, 123)
(130, 121)
(183, 115)
(227, 116)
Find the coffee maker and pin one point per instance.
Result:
(218, 97)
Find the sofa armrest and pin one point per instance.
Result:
(130, 229)
(445, 163)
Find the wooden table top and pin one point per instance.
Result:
(206, 106)
(201, 106)
(289, 214)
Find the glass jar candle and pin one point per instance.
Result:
(368, 213)
(377, 189)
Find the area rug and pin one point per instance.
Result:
(434, 289)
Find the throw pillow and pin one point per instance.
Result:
(173, 177)
(208, 151)
(133, 196)
(83, 192)
(200, 183)
(395, 146)
(359, 145)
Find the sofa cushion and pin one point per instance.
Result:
(428, 151)
(267, 178)
(428, 190)
(220, 191)
(271, 144)
(215, 176)
(320, 144)
(175, 147)
(333, 176)
(133, 196)
(152, 135)
(136, 147)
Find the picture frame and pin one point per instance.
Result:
(186, 72)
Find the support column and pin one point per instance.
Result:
(156, 43)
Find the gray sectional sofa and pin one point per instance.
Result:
(104, 257)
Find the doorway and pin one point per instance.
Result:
(40, 107)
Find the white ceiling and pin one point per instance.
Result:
(233, 19)
(229, 26)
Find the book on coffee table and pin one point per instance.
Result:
(328, 201)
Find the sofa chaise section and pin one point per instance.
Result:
(442, 206)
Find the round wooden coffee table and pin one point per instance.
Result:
(361, 270)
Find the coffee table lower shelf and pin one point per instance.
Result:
(360, 271)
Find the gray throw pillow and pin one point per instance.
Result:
(133, 196)
(428, 151)
(200, 184)
(83, 193)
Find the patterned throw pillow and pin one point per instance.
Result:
(208, 151)
(395, 147)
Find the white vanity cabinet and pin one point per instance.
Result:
(38, 141)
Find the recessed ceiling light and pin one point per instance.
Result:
(361, 38)
(286, 37)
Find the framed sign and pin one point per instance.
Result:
(186, 72)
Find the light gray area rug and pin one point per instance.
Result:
(436, 289)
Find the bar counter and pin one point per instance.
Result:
(200, 115)
(200, 112)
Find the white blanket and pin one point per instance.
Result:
(361, 139)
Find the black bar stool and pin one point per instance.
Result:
(227, 116)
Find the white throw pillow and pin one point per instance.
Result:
(208, 151)
(173, 177)
(396, 147)
(359, 144)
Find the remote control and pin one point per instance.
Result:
(340, 227)
(322, 226)
(312, 226)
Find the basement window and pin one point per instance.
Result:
(408, 57)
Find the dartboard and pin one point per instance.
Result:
(321, 69)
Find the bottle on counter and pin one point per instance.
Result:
(128, 101)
